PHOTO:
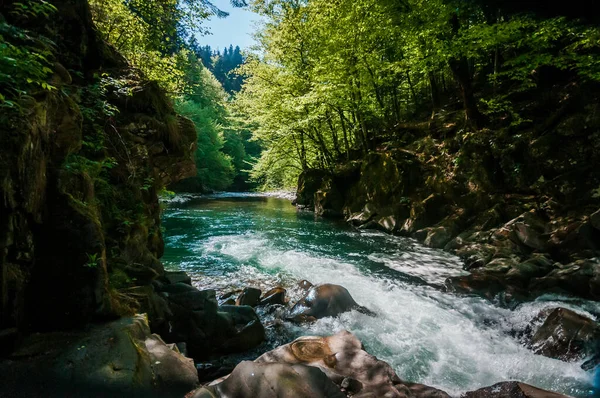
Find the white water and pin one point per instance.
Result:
(455, 343)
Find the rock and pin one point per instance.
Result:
(116, 359)
(173, 373)
(266, 380)
(566, 335)
(196, 300)
(177, 277)
(579, 278)
(309, 183)
(438, 237)
(305, 285)
(528, 229)
(249, 331)
(324, 300)
(249, 296)
(367, 213)
(595, 220)
(346, 364)
(511, 389)
(273, 296)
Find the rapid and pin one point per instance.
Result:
(453, 342)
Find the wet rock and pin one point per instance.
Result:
(248, 330)
(173, 277)
(512, 389)
(209, 371)
(249, 296)
(324, 300)
(305, 285)
(566, 335)
(273, 297)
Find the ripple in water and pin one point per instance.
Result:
(451, 342)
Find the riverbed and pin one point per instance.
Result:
(453, 342)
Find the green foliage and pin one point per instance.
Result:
(329, 81)
(25, 58)
(92, 260)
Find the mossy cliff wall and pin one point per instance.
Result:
(80, 170)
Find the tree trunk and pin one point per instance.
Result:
(460, 70)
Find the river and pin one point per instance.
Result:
(452, 342)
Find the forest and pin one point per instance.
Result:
(377, 198)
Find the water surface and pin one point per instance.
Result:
(455, 343)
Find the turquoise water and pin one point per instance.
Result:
(452, 342)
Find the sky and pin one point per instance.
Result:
(234, 29)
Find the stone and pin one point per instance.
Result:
(325, 300)
(580, 278)
(566, 335)
(114, 359)
(173, 373)
(266, 380)
(438, 237)
(196, 300)
(346, 364)
(249, 331)
(528, 229)
(512, 389)
(249, 296)
(305, 285)
(177, 277)
(273, 297)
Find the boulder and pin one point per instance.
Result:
(172, 277)
(174, 374)
(325, 300)
(438, 237)
(196, 300)
(273, 296)
(512, 389)
(528, 230)
(249, 296)
(116, 359)
(248, 331)
(266, 380)
(346, 364)
(566, 335)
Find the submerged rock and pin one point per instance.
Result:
(512, 389)
(325, 300)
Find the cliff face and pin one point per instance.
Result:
(80, 170)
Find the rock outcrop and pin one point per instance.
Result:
(117, 359)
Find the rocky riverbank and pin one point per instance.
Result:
(124, 357)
